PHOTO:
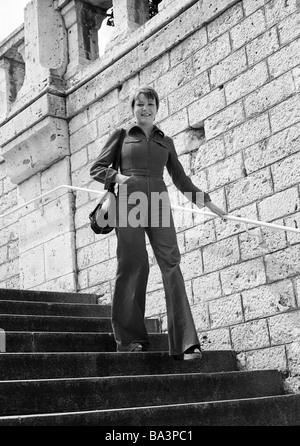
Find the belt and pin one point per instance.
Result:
(141, 172)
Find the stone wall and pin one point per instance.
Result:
(228, 74)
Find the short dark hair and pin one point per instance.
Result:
(149, 92)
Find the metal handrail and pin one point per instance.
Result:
(180, 208)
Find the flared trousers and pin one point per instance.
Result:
(129, 298)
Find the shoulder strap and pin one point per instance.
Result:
(116, 163)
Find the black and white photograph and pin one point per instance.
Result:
(150, 216)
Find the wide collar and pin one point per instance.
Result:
(134, 126)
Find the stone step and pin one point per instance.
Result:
(71, 395)
(281, 410)
(54, 309)
(64, 323)
(24, 366)
(47, 296)
(38, 342)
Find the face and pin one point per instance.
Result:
(144, 110)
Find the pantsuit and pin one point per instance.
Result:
(143, 161)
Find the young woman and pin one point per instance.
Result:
(145, 152)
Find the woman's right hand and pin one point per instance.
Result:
(120, 178)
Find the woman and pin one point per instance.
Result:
(145, 151)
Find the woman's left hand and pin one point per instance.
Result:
(216, 210)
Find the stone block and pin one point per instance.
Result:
(251, 6)
(246, 82)
(293, 357)
(283, 264)
(84, 136)
(81, 178)
(66, 283)
(285, 114)
(289, 28)
(228, 68)
(248, 133)
(183, 220)
(266, 359)
(156, 70)
(224, 120)
(206, 106)
(243, 276)
(93, 254)
(262, 46)
(79, 121)
(156, 304)
(200, 180)
(8, 201)
(108, 121)
(175, 123)
(211, 10)
(57, 265)
(192, 43)
(261, 240)
(207, 287)
(79, 159)
(226, 311)
(93, 90)
(285, 59)
(268, 300)
(292, 221)
(231, 227)
(32, 268)
(212, 53)
(200, 235)
(272, 149)
(189, 21)
(45, 223)
(209, 153)
(277, 10)
(279, 204)
(252, 244)
(56, 175)
(249, 189)
(173, 78)
(225, 21)
(191, 264)
(189, 92)
(296, 76)
(250, 336)
(285, 328)
(102, 272)
(269, 95)
(9, 269)
(46, 105)
(225, 171)
(248, 29)
(84, 237)
(217, 339)
(221, 254)
(3, 254)
(200, 316)
(286, 172)
(41, 146)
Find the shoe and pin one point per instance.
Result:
(191, 353)
(137, 348)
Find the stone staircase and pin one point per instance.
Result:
(60, 368)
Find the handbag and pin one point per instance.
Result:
(103, 216)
